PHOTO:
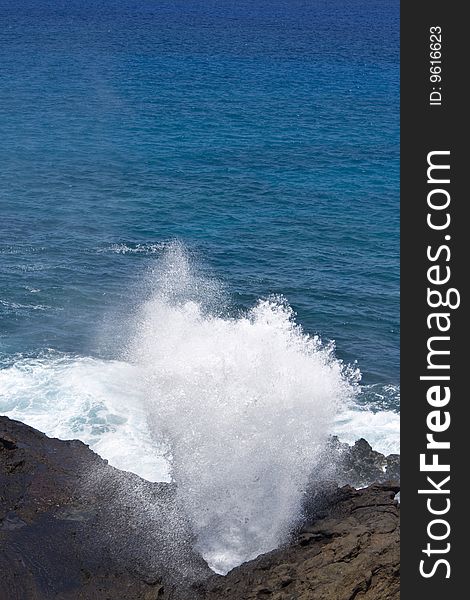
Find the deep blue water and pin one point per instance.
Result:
(263, 135)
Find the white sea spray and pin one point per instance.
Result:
(235, 407)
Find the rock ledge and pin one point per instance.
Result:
(74, 528)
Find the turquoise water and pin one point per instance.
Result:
(264, 137)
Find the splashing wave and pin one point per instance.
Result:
(236, 410)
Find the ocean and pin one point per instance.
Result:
(197, 199)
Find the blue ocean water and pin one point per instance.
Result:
(263, 136)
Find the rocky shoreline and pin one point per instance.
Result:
(73, 527)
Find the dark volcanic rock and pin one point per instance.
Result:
(352, 553)
(72, 527)
(360, 465)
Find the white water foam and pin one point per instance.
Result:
(122, 248)
(102, 404)
(98, 402)
(381, 429)
(235, 409)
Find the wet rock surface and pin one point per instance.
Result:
(351, 552)
(73, 527)
(360, 465)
